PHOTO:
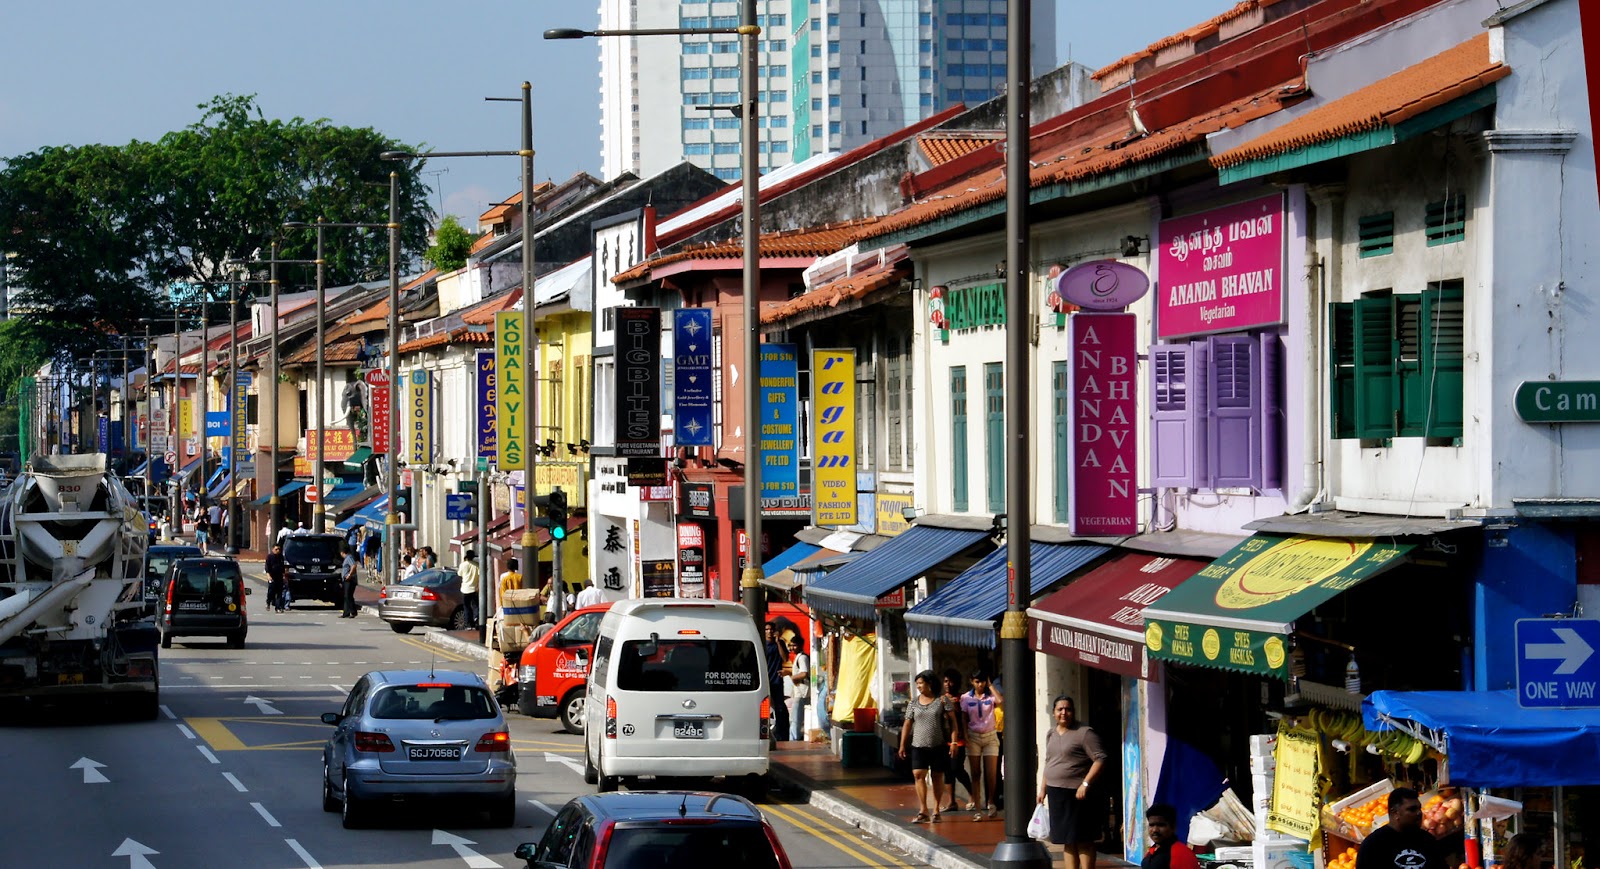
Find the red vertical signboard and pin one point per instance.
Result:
(1103, 355)
(378, 381)
(1589, 23)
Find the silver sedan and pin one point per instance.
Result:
(428, 597)
(418, 734)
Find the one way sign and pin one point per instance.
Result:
(1557, 664)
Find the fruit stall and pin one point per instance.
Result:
(1514, 769)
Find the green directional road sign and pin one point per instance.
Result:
(1559, 401)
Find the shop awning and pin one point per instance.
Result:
(1491, 741)
(812, 566)
(288, 488)
(853, 590)
(359, 457)
(964, 610)
(343, 492)
(141, 469)
(364, 496)
(790, 556)
(217, 477)
(1098, 620)
(221, 486)
(511, 537)
(182, 476)
(1237, 611)
(372, 514)
(471, 534)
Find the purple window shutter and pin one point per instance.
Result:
(1235, 422)
(1172, 430)
(1200, 414)
(1274, 426)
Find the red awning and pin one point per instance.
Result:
(1098, 620)
(511, 537)
(471, 534)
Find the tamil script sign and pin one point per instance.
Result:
(1221, 270)
(1103, 349)
(833, 446)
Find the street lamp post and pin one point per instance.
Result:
(750, 580)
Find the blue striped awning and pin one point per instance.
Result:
(288, 488)
(788, 557)
(372, 514)
(222, 481)
(853, 590)
(342, 491)
(964, 611)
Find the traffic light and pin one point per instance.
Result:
(553, 513)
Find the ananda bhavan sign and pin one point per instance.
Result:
(1104, 351)
(1221, 270)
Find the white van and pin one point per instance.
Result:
(677, 687)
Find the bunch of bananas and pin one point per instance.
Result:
(1348, 727)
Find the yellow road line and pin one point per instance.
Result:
(428, 647)
(840, 838)
(219, 737)
(216, 734)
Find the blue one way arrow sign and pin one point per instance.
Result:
(1558, 662)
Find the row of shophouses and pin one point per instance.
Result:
(1347, 438)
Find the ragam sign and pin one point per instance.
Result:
(1556, 401)
(1556, 663)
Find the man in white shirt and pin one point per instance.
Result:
(282, 533)
(799, 692)
(301, 531)
(469, 573)
(590, 596)
(214, 515)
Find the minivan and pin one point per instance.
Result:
(552, 680)
(311, 566)
(677, 688)
(204, 598)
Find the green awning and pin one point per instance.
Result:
(359, 457)
(1237, 612)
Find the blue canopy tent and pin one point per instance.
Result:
(1492, 742)
(372, 514)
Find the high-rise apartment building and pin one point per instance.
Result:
(832, 74)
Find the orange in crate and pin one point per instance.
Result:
(1363, 815)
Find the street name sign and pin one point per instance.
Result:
(1556, 663)
(1557, 401)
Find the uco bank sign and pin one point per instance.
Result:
(1102, 498)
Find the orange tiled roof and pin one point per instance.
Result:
(811, 241)
(1387, 102)
(1079, 159)
(336, 351)
(940, 149)
(847, 288)
(1199, 31)
(482, 314)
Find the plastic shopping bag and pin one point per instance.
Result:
(1039, 824)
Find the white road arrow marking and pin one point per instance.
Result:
(135, 853)
(91, 771)
(262, 706)
(567, 762)
(473, 858)
(1572, 651)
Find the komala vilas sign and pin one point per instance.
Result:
(1103, 498)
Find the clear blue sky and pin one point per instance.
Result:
(110, 72)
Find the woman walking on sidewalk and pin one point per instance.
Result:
(958, 746)
(1073, 759)
(926, 733)
(979, 707)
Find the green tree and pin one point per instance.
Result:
(101, 235)
(451, 245)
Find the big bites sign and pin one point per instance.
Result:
(1103, 498)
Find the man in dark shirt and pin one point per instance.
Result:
(775, 662)
(275, 574)
(1166, 852)
(1401, 843)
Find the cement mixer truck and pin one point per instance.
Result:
(72, 544)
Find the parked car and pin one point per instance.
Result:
(204, 597)
(157, 561)
(428, 597)
(311, 566)
(660, 829)
(552, 677)
(419, 734)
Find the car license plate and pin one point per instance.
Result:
(434, 752)
(403, 593)
(69, 678)
(688, 730)
(192, 605)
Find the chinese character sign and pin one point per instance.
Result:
(777, 423)
(486, 437)
(511, 390)
(833, 444)
(1103, 348)
(692, 377)
(638, 363)
(419, 418)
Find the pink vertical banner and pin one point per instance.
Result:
(1221, 270)
(1103, 500)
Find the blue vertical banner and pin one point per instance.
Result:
(485, 406)
(778, 426)
(105, 435)
(638, 398)
(241, 404)
(691, 377)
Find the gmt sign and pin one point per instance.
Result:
(1555, 401)
(1556, 662)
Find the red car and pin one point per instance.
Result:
(551, 677)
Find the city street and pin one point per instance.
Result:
(228, 775)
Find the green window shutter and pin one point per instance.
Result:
(1443, 355)
(1374, 367)
(1061, 399)
(1447, 220)
(1377, 234)
(1410, 382)
(994, 441)
(1342, 370)
(958, 438)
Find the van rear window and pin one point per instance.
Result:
(691, 846)
(688, 665)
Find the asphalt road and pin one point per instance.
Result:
(229, 774)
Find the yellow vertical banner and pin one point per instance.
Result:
(1295, 804)
(185, 427)
(510, 401)
(833, 440)
(419, 418)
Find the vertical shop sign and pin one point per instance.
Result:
(1221, 270)
(691, 560)
(1294, 785)
(378, 383)
(638, 363)
(779, 420)
(511, 390)
(419, 418)
(1102, 500)
(833, 442)
(485, 407)
(241, 404)
(691, 377)
(185, 427)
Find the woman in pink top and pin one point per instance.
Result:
(983, 740)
